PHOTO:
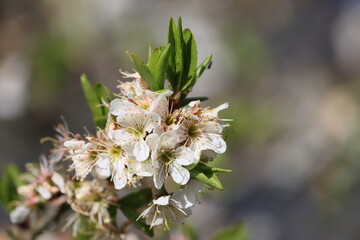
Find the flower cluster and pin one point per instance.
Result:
(148, 158)
(41, 184)
(147, 135)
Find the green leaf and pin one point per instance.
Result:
(9, 184)
(179, 51)
(137, 199)
(200, 69)
(144, 72)
(186, 101)
(133, 215)
(176, 55)
(237, 232)
(221, 170)
(153, 60)
(190, 59)
(203, 168)
(104, 94)
(209, 178)
(207, 175)
(94, 102)
(161, 66)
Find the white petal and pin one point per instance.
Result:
(208, 155)
(160, 105)
(141, 150)
(119, 176)
(130, 75)
(120, 106)
(151, 121)
(188, 197)
(120, 136)
(59, 181)
(143, 169)
(219, 144)
(103, 166)
(179, 174)
(168, 140)
(19, 214)
(159, 175)
(185, 156)
(195, 186)
(74, 144)
(44, 192)
(152, 141)
(213, 127)
(222, 107)
(159, 130)
(163, 201)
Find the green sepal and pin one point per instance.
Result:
(238, 232)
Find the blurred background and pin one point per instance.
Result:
(290, 70)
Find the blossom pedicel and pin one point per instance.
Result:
(147, 135)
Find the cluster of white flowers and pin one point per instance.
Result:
(149, 140)
(144, 166)
(147, 135)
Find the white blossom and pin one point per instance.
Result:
(83, 155)
(161, 211)
(169, 159)
(202, 136)
(134, 127)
